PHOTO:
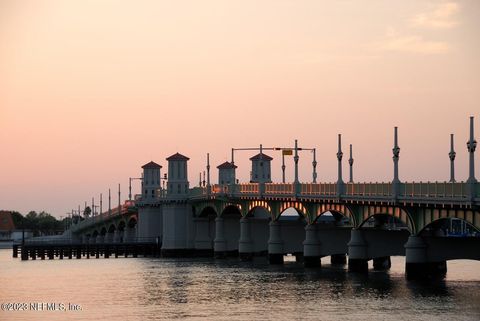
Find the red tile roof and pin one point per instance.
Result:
(151, 165)
(226, 165)
(6, 221)
(261, 156)
(177, 157)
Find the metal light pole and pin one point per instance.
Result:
(452, 155)
(130, 186)
(350, 163)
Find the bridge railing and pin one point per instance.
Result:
(248, 188)
(66, 241)
(279, 188)
(328, 189)
(435, 189)
(368, 189)
(103, 216)
(407, 191)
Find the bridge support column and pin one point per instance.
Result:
(129, 234)
(100, 239)
(109, 237)
(117, 235)
(311, 247)
(220, 244)
(203, 243)
(417, 265)
(275, 243)
(245, 244)
(357, 252)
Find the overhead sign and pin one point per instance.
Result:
(287, 152)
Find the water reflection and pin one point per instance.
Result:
(151, 289)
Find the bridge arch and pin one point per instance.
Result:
(132, 222)
(232, 209)
(111, 228)
(450, 226)
(387, 222)
(336, 218)
(253, 205)
(338, 211)
(382, 214)
(290, 226)
(208, 211)
(428, 215)
(121, 225)
(228, 232)
(301, 210)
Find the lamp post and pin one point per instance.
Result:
(452, 155)
(130, 186)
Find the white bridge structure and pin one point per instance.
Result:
(428, 222)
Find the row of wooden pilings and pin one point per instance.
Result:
(61, 251)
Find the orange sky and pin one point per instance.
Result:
(92, 90)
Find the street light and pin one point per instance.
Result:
(130, 186)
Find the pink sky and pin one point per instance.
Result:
(92, 90)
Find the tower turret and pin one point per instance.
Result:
(261, 169)
(177, 186)
(226, 173)
(151, 180)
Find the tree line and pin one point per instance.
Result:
(41, 223)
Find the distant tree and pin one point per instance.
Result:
(18, 219)
(31, 221)
(87, 212)
(42, 223)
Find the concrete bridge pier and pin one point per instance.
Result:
(129, 234)
(178, 231)
(100, 239)
(357, 252)
(203, 243)
(220, 243)
(109, 237)
(377, 244)
(426, 256)
(311, 247)
(275, 243)
(245, 244)
(417, 265)
(117, 236)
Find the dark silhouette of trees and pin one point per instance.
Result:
(41, 223)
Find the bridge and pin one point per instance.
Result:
(428, 222)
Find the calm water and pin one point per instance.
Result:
(207, 289)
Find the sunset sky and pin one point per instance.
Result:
(92, 90)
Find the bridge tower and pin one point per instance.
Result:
(178, 225)
(177, 186)
(151, 180)
(149, 213)
(226, 173)
(261, 168)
